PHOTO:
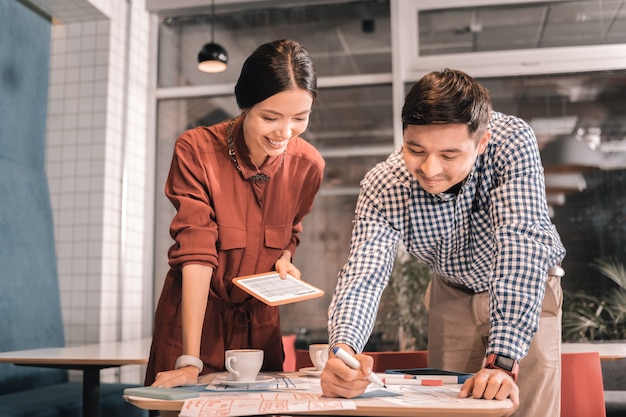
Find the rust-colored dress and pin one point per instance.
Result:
(237, 227)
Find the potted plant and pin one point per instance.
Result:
(589, 317)
(402, 315)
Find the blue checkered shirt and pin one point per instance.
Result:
(494, 235)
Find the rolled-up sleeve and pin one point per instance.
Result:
(193, 228)
(526, 245)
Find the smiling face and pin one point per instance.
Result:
(271, 123)
(441, 155)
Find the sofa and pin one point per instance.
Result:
(614, 379)
(30, 307)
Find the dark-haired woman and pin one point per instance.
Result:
(241, 189)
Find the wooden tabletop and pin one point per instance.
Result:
(609, 351)
(366, 407)
(369, 407)
(114, 353)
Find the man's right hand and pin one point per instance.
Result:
(339, 380)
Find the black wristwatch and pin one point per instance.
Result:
(508, 365)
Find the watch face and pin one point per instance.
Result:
(504, 363)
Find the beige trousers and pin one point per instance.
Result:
(458, 330)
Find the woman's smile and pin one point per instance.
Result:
(277, 143)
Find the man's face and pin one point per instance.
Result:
(441, 156)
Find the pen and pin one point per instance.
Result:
(401, 378)
(355, 364)
(421, 381)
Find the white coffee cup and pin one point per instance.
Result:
(243, 364)
(318, 353)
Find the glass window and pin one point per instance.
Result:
(357, 118)
(521, 26)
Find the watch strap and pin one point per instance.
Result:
(504, 363)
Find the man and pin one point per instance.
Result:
(465, 194)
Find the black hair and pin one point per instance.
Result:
(447, 97)
(272, 68)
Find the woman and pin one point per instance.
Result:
(241, 189)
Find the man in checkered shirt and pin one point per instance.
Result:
(465, 195)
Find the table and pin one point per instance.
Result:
(609, 351)
(369, 407)
(87, 358)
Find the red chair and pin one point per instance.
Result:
(289, 347)
(582, 388)
(303, 360)
(399, 360)
(382, 360)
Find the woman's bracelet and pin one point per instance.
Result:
(188, 360)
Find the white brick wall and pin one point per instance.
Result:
(97, 163)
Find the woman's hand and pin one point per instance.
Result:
(187, 375)
(284, 266)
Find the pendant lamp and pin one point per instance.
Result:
(212, 57)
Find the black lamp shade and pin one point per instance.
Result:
(212, 58)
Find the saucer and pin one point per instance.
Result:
(228, 380)
(311, 371)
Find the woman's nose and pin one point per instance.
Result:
(286, 131)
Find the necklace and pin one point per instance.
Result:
(256, 178)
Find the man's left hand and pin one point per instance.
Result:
(491, 384)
